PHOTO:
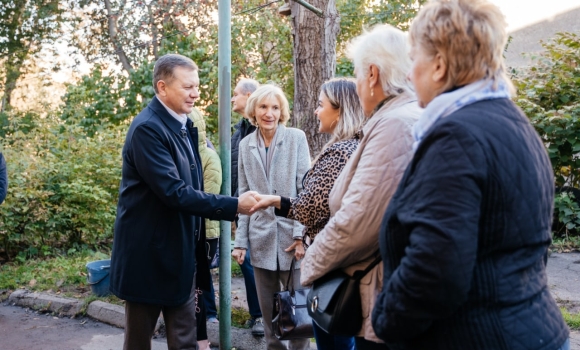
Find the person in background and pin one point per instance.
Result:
(243, 128)
(3, 179)
(212, 182)
(364, 187)
(272, 160)
(159, 255)
(340, 115)
(465, 238)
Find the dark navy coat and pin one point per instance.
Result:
(465, 239)
(161, 203)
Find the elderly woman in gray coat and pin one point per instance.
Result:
(272, 160)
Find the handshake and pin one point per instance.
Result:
(251, 201)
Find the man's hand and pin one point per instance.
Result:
(299, 249)
(246, 201)
(239, 255)
(265, 201)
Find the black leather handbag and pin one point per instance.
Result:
(290, 317)
(334, 301)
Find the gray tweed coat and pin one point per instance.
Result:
(264, 233)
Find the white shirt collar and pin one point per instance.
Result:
(180, 118)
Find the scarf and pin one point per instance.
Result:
(267, 155)
(449, 102)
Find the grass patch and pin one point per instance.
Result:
(64, 275)
(565, 244)
(573, 320)
(240, 316)
(236, 269)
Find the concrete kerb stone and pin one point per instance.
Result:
(107, 313)
(43, 301)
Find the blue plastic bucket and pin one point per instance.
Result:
(98, 277)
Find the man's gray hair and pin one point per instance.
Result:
(248, 85)
(165, 66)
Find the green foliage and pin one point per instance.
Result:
(549, 94)
(567, 211)
(63, 188)
(99, 98)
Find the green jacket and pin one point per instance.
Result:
(212, 170)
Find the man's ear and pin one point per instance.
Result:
(439, 69)
(161, 88)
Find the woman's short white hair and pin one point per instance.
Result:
(387, 48)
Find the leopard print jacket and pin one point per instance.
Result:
(311, 206)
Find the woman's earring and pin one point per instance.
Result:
(332, 124)
(372, 91)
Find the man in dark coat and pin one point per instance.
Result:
(243, 128)
(159, 242)
(3, 179)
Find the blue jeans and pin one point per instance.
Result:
(251, 293)
(325, 341)
(566, 345)
(209, 301)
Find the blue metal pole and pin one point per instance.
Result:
(224, 93)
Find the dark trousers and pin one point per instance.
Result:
(209, 300)
(180, 324)
(250, 281)
(200, 316)
(363, 344)
(325, 341)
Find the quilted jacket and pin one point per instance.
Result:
(212, 170)
(358, 200)
(465, 239)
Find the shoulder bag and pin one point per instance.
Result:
(334, 301)
(290, 317)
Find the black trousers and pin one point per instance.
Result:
(180, 324)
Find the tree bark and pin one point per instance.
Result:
(112, 25)
(314, 63)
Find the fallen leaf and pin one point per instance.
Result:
(32, 282)
(59, 283)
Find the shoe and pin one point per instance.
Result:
(285, 9)
(257, 326)
(213, 320)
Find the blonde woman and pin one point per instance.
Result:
(465, 238)
(340, 115)
(272, 160)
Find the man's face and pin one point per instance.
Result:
(239, 101)
(181, 92)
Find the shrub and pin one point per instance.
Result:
(63, 187)
(549, 94)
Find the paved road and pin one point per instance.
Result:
(23, 329)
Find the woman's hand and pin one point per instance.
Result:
(298, 249)
(239, 255)
(265, 201)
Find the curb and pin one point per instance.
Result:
(42, 301)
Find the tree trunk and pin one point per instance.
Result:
(314, 63)
(112, 25)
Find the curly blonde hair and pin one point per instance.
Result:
(470, 36)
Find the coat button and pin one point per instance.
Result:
(219, 212)
(192, 166)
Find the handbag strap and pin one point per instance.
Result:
(290, 286)
(358, 275)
